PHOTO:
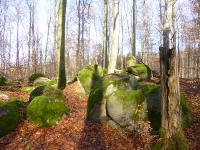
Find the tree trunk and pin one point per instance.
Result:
(61, 45)
(105, 44)
(133, 30)
(78, 38)
(113, 56)
(171, 112)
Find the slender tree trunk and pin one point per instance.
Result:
(113, 56)
(17, 58)
(46, 48)
(79, 37)
(105, 44)
(61, 45)
(133, 29)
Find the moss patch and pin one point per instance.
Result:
(177, 142)
(46, 111)
(89, 75)
(141, 70)
(53, 82)
(9, 116)
(130, 61)
(47, 91)
(28, 89)
(187, 116)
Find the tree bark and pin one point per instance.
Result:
(133, 29)
(61, 45)
(115, 40)
(171, 111)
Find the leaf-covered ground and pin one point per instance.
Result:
(74, 132)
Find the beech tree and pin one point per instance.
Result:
(115, 39)
(61, 45)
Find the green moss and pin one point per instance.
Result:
(47, 91)
(130, 61)
(149, 89)
(28, 89)
(2, 81)
(177, 142)
(89, 75)
(187, 116)
(9, 116)
(53, 82)
(141, 70)
(34, 76)
(46, 111)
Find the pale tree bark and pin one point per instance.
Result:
(105, 40)
(78, 36)
(115, 41)
(133, 28)
(46, 47)
(61, 45)
(17, 40)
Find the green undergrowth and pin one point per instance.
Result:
(47, 91)
(35, 76)
(9, 116)
(46, 111)
(176, 142)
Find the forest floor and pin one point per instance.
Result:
(75, 133)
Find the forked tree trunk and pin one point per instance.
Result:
(171, 111)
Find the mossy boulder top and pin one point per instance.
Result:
(9, 116)
(47, 91)
(41, 79)
(88, 76)
(130, 61)
(140, 71)
(46, 111)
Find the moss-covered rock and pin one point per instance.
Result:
(96, 108)
(43, 81)
(2, 81)
(28, 89)
(35, 76)
(46, 111)
(47, 91)
(9, 116)
(88, 76)
(127, 107)
(130, 61)
(142, 71)
(187, 116)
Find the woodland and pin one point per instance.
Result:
(99, 74)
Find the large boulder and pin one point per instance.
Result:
(46, 91)
(46, 111)
(9, 116)
(103, 88)
(127, 108)
(43, 81)
(35, 76)
(88, 76)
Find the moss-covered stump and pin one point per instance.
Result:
(46, 111)
(9, 116)
(88, 76)
(141, 71)
(176, 142)
(127, 108)
(2, 81)
(47, 91)
(43, 81)
(96, 108)
(130, 61)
